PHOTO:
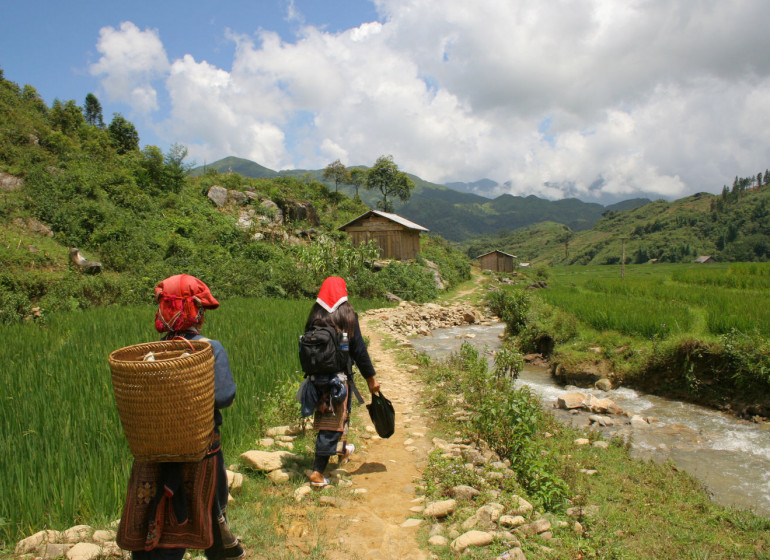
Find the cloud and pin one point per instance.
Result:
(131, 60)
(596, 99)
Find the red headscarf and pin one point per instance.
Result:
(333, 293)
(181, 299)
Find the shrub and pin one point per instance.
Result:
(410, 281)
(512, 307)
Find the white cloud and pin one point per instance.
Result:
(131, 60)
(596, 99)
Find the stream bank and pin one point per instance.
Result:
(730, 456)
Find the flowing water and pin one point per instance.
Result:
(731, 457)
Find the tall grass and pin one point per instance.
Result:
(731, 298)
(631, 315)
(63, 455)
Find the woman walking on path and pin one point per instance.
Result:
(331, 419)
(158, 522)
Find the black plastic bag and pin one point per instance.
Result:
(382, 414)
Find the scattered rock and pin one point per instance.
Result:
(540, 526)
(267, 461)
(471, 538)
(513, 554)
(84, 551)
(568, 401)
(438, 540)
(511, 521)
(32, 543)
(440, 509)
(603, 384)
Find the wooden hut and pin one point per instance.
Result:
(705, 259)
(497, 261)
(397, 237)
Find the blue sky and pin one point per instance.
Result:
(596, 99)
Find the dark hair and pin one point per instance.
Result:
(343, 319)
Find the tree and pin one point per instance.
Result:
(338, 173)
(385, 177)
(767, 177)
(357, 179)
(93, 111)
(176, 171)
(123, 134)
(67, 117)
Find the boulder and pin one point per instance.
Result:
(279, 476)
(54, 550)
(515, 553)
(84, 551)
(521, 506)
(267, 461)
(440, 509)
(485, 517)
(9, 182)
(540, 526)
(603, 384)
(471, 538)
(300, 211)
(217, 195)
(568, 401)
(32, 544)
(464, 492)
(77, 534)
(103, 536)
(511, 521)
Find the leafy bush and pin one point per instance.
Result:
(511, 306)
(410, 281)
(512, 423)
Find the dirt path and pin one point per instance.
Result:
(371, 525)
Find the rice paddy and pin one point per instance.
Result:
(660, 300)
(63, 456)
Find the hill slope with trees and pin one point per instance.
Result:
(732, 226)
(68, 181)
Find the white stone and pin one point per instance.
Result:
(471, 538)
(411, 523)
(267, 461)
(84, 551)
(280, 476)
(523, 508)
(234, 480)
(103, 536)
(568, 401)
(78, 533)
(437, 540)
(513, 554)
(301, 492)
(440, 509)
(54, 550)
(266, 442)
(32, 543)
(283, 431)
(464, 492)
(582, 441)
(540, 526)
(511, 521)
(485, 517)
(285, 445)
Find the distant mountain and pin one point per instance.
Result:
(733, 226)
(244, 167)
(454, 214)
(482, 187)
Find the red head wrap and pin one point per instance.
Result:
(180, 299)
(333, 293)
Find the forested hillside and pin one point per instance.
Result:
(731, 226)
(68, 180)
(456, 215)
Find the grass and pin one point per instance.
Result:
(63, 455)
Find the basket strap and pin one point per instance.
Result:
(192, 348)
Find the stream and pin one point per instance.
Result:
(731, 457)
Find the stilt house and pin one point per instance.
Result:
(397, 237)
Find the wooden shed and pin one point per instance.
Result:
(705, 259)
(397, 237)
(497, 261)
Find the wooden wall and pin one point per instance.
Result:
(395, 241)
(497, 262)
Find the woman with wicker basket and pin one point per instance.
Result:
(180, 504)
(331, 419)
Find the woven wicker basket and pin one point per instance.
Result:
(166, 406)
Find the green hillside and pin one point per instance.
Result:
(454, 215)
(66, 182)
(733, 226)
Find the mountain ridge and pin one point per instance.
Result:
(457, 215)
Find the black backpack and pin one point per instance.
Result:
(320, 352)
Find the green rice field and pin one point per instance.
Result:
(63, 456)
(660, 300)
